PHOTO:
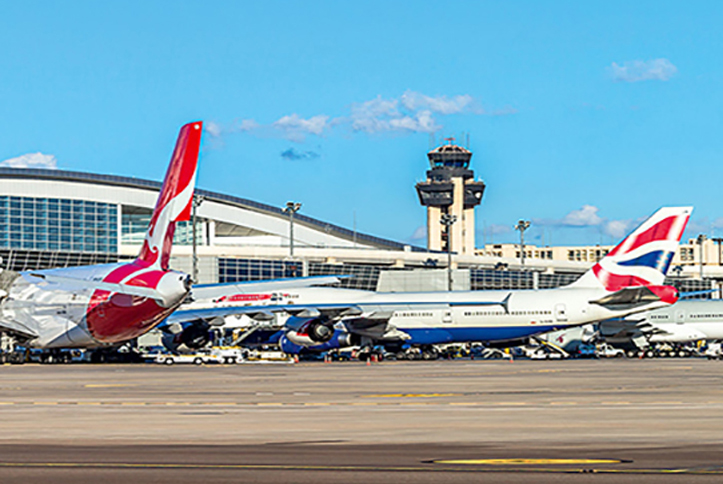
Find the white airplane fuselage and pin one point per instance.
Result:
(440, 317)
(683, 322)
(68, 315)
(108, 304)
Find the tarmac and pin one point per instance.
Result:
(446, 421)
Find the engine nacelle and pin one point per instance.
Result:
(309, 332)
(339, 339)
(187, 339)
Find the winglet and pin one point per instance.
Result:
(175, 200)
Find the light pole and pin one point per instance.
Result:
(197, 200)
(701, 239)
(291, 208)
(522, 225)
(448, 220)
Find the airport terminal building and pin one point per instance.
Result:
(56, 218)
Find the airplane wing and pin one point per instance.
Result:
(630, 328)
(17, 328)
(366, 319)
(201, 292)
(261, 313)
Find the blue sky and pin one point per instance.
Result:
(583, 116)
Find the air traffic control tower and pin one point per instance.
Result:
(450, 189)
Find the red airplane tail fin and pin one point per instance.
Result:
(175, 200)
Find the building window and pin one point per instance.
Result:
(33, 224)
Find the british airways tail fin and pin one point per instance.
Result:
(643, 257)
(175, 200)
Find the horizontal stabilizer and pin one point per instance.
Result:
(118, 288)
(633, 297)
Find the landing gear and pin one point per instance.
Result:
(429, 353)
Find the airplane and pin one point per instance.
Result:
(683, 322)
(105, 305)
(628, 280)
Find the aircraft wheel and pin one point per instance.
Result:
(429, 355)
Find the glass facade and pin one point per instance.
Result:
(489, 279)
(234, 270)
(58, 224)
(134, 226)
(33, 260)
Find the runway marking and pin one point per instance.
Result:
(414, 395)
(504, 462)
(486, 404)
(106, 385)
(524, 468)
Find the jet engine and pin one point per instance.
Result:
(309, 332)
(339, 339)
(186, 339)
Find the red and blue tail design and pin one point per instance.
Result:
(644, 256)
(174, 202)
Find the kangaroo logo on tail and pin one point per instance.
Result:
(175, 200)
(644, 256)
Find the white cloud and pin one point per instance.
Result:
(421, 122)
(419, 234)
(584, 217)
(587, 217)
(246, 125)
(296, 128)
(380, 115)
(32, 160)
(213, 129)
(617, 228)
(415, 101)
(217, 131)
(412, 112)
(373, 116)
(638, 70)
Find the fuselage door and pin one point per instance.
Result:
(447, 316)
(680, 316)
(560, 312)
